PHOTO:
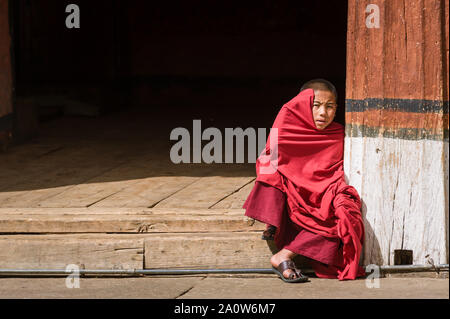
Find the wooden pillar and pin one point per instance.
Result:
(6, 118)
(396, 146)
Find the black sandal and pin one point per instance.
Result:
(269, 233)
(289, 264)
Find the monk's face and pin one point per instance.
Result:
(324, 108)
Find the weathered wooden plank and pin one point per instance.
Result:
(71, 171)
(20, 175)
(111, 251)
(237, 199)
(357, 18)
(147, 192)
(373, 46)
(435, 49)
(92, 210)
(127, 223)
(52, 181)
(207, 250)
(86, 194)
(58, 251)
(19, 172)
(397, 127)
(205, 192)
(135, 183)
(404, 58)
(50, 211)
(403, 190)
(195, 211)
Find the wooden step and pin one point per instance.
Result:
(120, 220)
(57, 251)
(207, 250)
(131, 238)
(136, 251)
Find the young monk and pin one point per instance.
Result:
(303, 198)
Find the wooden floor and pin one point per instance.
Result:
(103, 193)
(119, 160)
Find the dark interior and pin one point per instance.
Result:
(228, 63)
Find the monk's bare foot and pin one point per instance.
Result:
(281, 256)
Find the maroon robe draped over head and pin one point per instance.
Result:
(306, 164)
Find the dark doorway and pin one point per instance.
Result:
(228, 63)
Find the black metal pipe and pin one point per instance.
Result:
(140, 272)
(133, 271)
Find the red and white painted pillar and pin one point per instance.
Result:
(396, 146)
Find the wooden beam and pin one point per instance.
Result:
(58, 251)
(103, 220)
(396, 145)
(207, 250)
(138, 251)
(205, 192)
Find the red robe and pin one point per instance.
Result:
(309, 169)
